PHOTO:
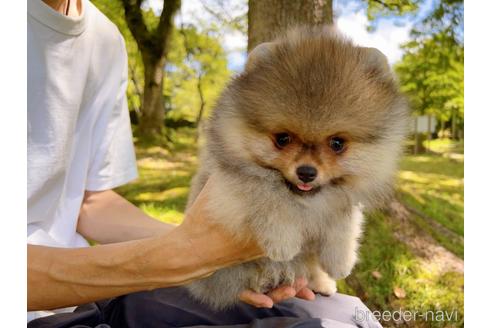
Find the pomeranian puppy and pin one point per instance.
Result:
(304, 139)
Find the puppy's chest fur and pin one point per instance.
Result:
(301, 236)
(261, 204)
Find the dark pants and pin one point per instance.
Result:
(173, 307)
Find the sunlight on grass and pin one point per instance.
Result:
(165, 175)
(164, 214)
(426, 288)
(379, 251)
(163, 195)
(435, 186)
(445, 146)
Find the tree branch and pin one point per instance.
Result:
(382, 3)
(136, 23)
(225, 18)
(169, 8)
(392, 5)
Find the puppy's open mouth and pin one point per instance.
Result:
(302, 189)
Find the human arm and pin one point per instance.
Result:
(59, 277)
(106, 217)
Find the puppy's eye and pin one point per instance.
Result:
(282, 139)
(337, 144)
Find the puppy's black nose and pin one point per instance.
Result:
(306, 173)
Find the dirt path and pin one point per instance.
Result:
(421, 243)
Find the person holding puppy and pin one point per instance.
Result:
(79, 149)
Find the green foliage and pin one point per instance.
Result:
(115, 12)
(196, 57)
(196, 74)
(432, 70)
(446, 18)
(431, 74)
(382, 8)
(232, 15)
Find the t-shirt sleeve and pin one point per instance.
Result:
(113, 160)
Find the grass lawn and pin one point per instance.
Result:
(434, 186)
(387, 267)
(389, 275)
(443, 146)
(164, 178)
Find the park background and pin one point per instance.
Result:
(182, 53)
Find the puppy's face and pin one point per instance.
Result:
(315, 156)
(307, 164)
(319, 110)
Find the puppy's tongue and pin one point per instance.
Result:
(304, 187)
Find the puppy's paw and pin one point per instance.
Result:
(265, 278)
(323, 284)
(288, 276)
(270, 275)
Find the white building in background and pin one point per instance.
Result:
(420, 124)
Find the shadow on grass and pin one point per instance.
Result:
(426, 289)
(164, 178)
(434, 185)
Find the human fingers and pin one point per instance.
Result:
(256, 299)
(282, 293)
(302, 291)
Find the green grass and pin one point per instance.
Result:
(443, 146)
(381, 252)
(432, 184)
(164, 178)
(426, 287)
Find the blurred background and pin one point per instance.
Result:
(181, 55)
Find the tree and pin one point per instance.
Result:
(153, 44)
(266, 19)
(196, 74)
(431, 71)
(115, 12)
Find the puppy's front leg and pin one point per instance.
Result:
(319, 280)
(339, 251)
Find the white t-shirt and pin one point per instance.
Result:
(79, 136)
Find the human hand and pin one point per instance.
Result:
(279, 294)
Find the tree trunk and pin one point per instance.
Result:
(152, 120)
(267, 19)
(454, 134)
(429, 119)
(416, 132)
(153, 45)
(202, 106)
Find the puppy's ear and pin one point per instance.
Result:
(376, 63)
(261, 51)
